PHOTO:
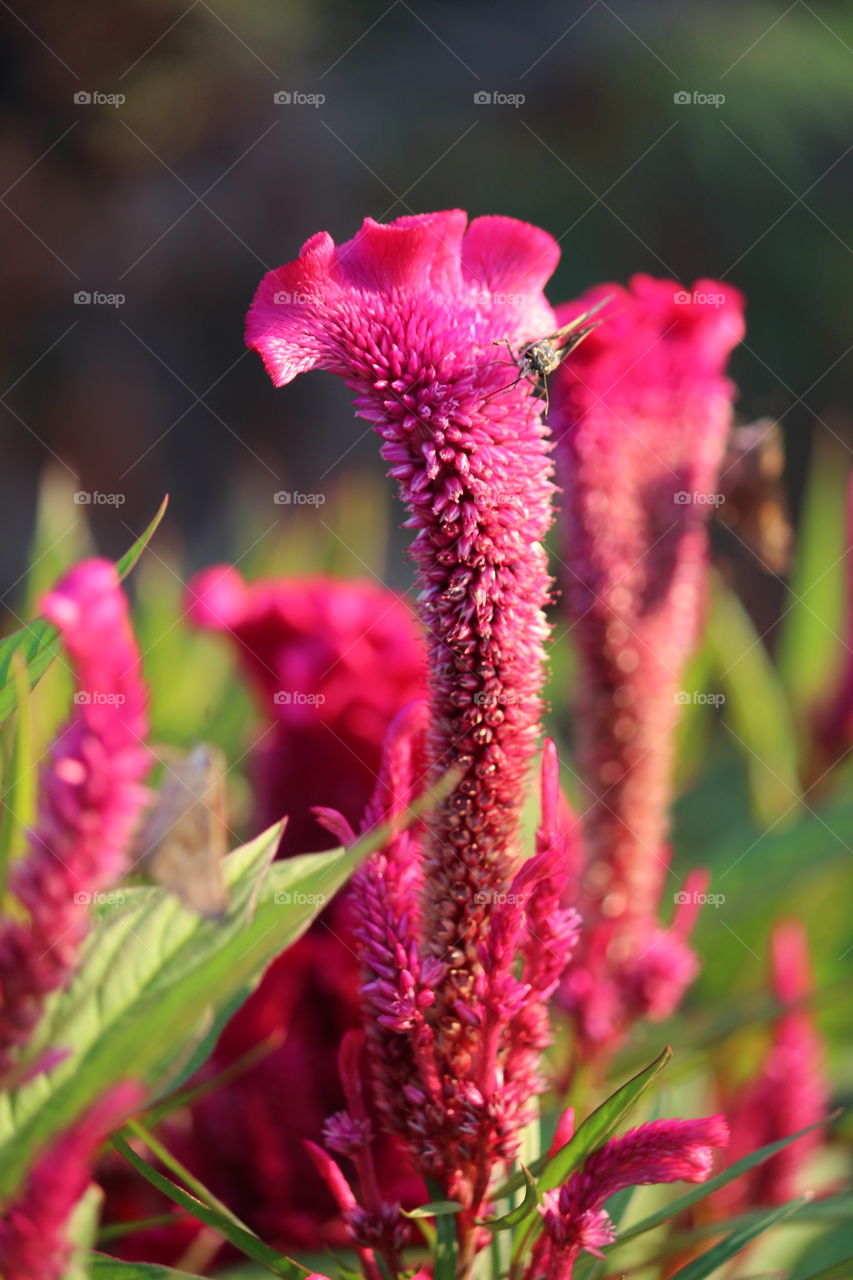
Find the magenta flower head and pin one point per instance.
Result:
(790, 1090)
(640, 415)
(412, 315)
(33, 1244)
(574, 1216)
(90, 798)
(331, 663)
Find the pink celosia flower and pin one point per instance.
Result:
(573, 1215)
(331, 663)
(412, 316)
(640, 416)
(409, 315)
(89, 801)
(33, 1245)
(789, 1092)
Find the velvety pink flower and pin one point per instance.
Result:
(33, 1244)
(413, 316)
(90, 797)
(573, 1216)
(640, 414)
(331, 662)
(409, 315)
(789, 1092)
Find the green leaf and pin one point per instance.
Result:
(243, 1239)
(152, 973)
(842, 1270)
(19, 787)
(82, 1230)
(677, 1206)
(38, 643)
(756, 711)
(436, 1209)
(446, 1247)
(708, 1263)
(104, 1268)
(521, 1211)
(812, 626)
(592, 1134)
(132, 556)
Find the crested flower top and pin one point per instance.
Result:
(426, 284)
(654, 334)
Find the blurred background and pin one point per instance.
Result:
(145, 162)
(158, 156)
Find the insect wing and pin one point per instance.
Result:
(184, 839)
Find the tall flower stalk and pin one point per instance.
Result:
(414, 316)
(640, 415)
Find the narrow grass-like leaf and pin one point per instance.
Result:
(241, 1237)
(521, 1211)
(437, 1209)
(708, 1263)
(812, 625)
(19, 785)
(756, 711)
(104, 1268)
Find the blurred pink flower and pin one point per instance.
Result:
(789, 1092)
(90, 796)
(640, 414)
(573, 1215)
(33, 1244)
(330, 662)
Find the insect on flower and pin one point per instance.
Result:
(537, 359)
(183, 840)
